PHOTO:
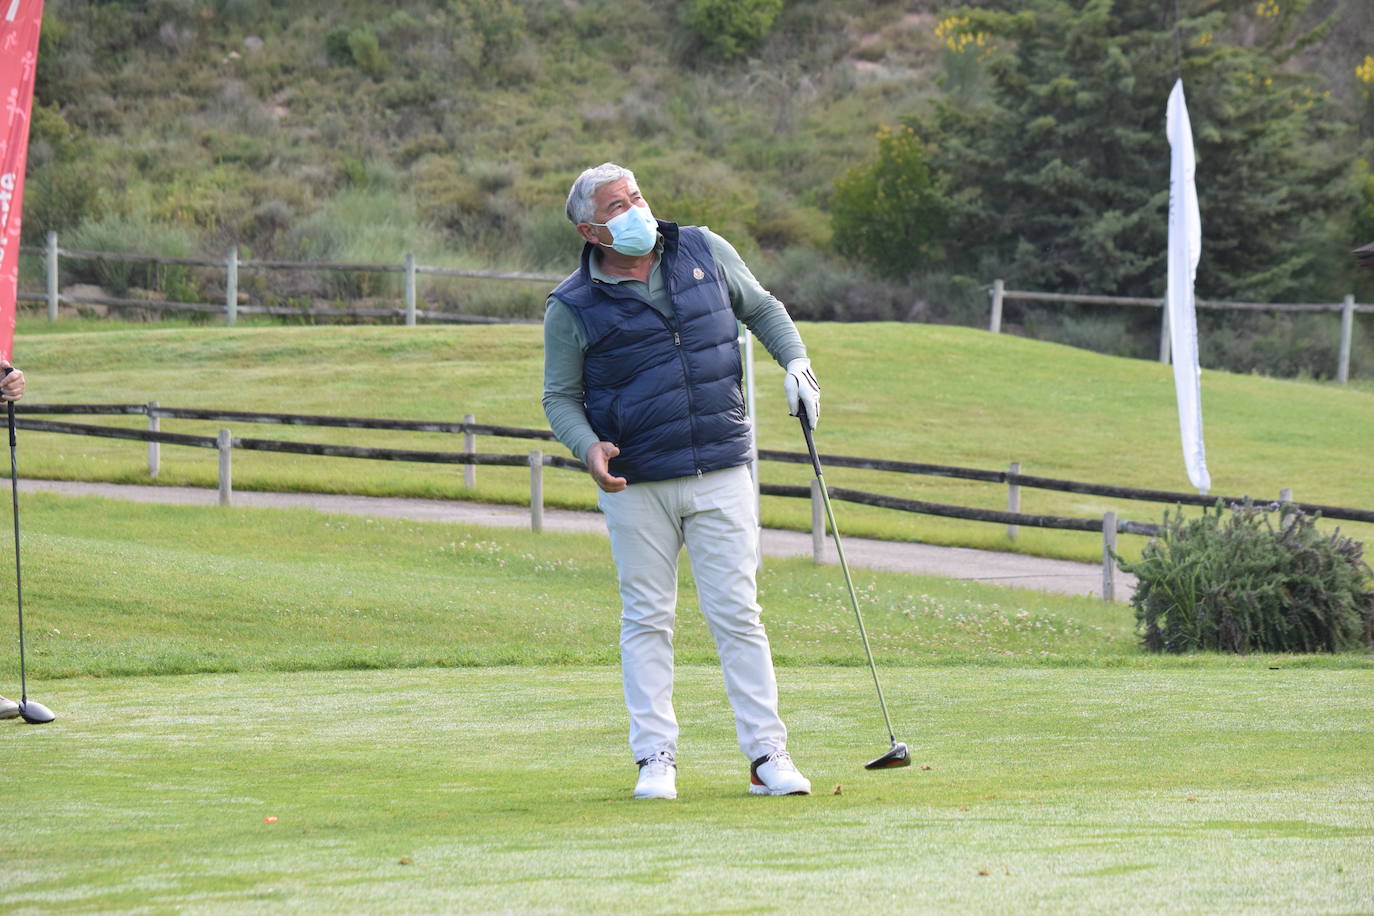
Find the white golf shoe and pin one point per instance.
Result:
(657, 776)
(776, 774)
(8, 709)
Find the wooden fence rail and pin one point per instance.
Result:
(289, 419)
(1050, 483)
(1348, 309)
(536, 460)
(278, 445)
(1108, 525)
(77, 253)
(282, 311)
(408, 312)
(968, 513)
(1009, 478)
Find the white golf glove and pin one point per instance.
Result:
(802, 389)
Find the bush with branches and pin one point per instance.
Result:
(731, 28)
(1244, 584)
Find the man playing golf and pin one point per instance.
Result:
(11, 389)
(642, 380)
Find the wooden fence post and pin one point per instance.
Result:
(1285, 497)
(1164, 340)
(536, 491)
(817, 523)
(995, 324)
(410, 289)
(1013, 498)
(469, 446)
(154, 448)
(53, 296)
(231, 286)
(1108, 564)
(1347, 329)
(226, 468)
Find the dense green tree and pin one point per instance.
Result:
(1059, 176)
(888, 212)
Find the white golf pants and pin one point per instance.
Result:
(716, 517)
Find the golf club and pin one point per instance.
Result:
(32, 712)
(898, 755)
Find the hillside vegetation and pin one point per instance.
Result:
(911, 392)
(352, 132)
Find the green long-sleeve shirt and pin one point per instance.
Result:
(565, 346)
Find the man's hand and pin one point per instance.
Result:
(12, 387)
(802, 388)
(599, 456)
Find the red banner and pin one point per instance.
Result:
(20, 21)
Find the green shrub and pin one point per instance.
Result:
(57, 197)
(492, 30)
(1115, 332)
(1242, 584)
(367, 52)
(693, 190)
(781, 223)
(132, 235)
(549, 241)
(336, 47)
(731, 28)
(363, 226)
(446, 197)
(234, 147)
(1282, 344)
(357, 47)
(815, 287)
(891, 213)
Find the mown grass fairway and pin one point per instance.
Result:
(943, 395)
(506, 790)
(475, 773)
(284, 711)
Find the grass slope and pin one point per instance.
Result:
(119, 589)
(901, 391)
(116, 588)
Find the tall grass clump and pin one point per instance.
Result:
(1243, 584)
(369, 225)
(131, 235)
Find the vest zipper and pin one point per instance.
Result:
(687, 380)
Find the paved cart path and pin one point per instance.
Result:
(993, 567)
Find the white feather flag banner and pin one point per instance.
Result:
(1185, 247)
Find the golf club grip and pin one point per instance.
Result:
(810, 441)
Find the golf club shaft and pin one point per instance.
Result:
(844, 567)
(14, 492)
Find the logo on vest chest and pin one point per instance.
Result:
(698, 273)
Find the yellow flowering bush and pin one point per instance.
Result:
(1365, 71)
(958, 37)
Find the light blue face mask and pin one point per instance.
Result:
(633, 232)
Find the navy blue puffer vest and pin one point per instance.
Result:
(668, 394)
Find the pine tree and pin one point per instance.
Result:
(1059, 174)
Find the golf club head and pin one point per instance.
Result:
(897, 757)
(35, 713)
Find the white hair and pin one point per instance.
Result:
(581, 207)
